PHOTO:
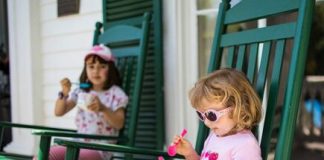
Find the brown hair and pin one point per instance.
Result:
(230, 88)
(113, 77)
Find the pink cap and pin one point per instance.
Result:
(102, 51)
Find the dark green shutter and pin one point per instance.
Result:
(150, 131)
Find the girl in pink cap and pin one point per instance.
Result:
(100, 104)
(228, 105)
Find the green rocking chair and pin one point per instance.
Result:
(129, 44)
(273, 58)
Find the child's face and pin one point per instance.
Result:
(223, 124)
(96, 73)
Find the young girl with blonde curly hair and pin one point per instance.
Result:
(227, 104)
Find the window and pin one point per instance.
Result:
(206, 19)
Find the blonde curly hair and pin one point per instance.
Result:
(231, 88)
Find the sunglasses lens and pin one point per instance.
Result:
(200, 116)
(211, 116)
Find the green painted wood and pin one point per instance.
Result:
(127, 51)
(44, 144)
(250, 10)
(240, 57)
(214, 62)
(259, 74)
(215, 57)
(129, 45)
(52, 133)
(281, 31)
(12, 156)
(96, 33)
(296, 72)
(125, 12)
(261, 79)
(272, 101)
(124, 9)
(130, 34)
(130, 21)
(253, 61)
(158, 73)
(4, 125)
(268, 8)
(113, 148)
(73, 153)
(130, 7)
(230, 57)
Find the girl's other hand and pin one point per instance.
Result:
(66, 86)
(183, 147)
(96, 105)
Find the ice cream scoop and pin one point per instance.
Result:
(172, 148)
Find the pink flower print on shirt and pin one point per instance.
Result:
(118, 100)
(210, 155)
(112, 100)
(99, 130)
(108, 128)
(206, 154)
(90, 121)
(213, 156)
(91, 115)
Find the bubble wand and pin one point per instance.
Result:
(82, 85)
(172, 148)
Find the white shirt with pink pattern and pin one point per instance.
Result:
(89, 122)
(240, 146)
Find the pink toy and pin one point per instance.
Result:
(172, 148)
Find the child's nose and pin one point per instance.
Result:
(97, 69)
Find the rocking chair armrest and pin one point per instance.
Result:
(70, 144)
(5, 124)
(51, 133)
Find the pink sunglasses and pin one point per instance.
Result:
(213, 115)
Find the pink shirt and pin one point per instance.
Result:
(240, 146)
(94, 123)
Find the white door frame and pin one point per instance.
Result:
(180, 66)
(25, 72)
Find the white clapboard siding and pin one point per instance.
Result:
(67, 42)
(63, 122)
(52, 77)
(70, 24)
(50, 92)
(68, 59)
(42, 2)
(49, 8)
(64, 42)
(49, 113)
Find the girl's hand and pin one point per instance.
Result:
(66, 86)
(96, 105)
(183, 147)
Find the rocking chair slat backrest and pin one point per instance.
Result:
(273, 58)
(129, 45)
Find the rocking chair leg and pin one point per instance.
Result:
(72, 153)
